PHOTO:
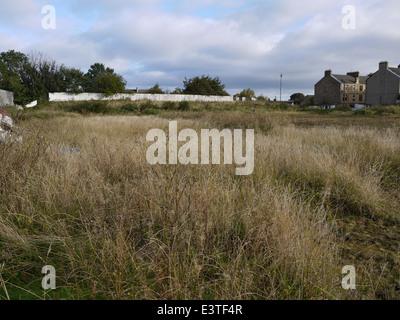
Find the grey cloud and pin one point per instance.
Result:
(246, 49)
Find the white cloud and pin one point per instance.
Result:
(246, 43)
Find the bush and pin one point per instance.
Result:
(204, 85)
(156, 89)
(98, 107)
(169, 105)
(89, 107)
(129, 107)
(184, 106)
(147, 105)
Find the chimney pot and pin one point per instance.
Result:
(328, 73)
(354, 74)
(384, 65)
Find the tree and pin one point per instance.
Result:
(246, 93)
(109, 84)
(100, 79)
(297, 97)
(177, 91)
(14, 69)
(261, 97)
(45, 76)
(204, 85)
(97, 69)
(156, 89)
(73, 80)
(30, 78)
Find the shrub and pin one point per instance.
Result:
(98, 107)
(148, 104)
(156, 89)
(169, 105)
(184, 106)
(129, 107)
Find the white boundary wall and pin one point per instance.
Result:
(62, 97)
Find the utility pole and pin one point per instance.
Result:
(281, 88)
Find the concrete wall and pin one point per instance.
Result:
(62, 96)
(6, 98)
(383, 87)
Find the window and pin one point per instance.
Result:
(354, 88)
(361, 88)
(360, 98)
(354, 98)
(346, 87)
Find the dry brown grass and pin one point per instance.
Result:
(117, 228)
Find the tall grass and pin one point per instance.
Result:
(115, 227)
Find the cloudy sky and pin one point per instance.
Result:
(248, 44)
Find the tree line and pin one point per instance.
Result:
(33, 77)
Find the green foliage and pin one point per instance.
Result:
(204, 85)
(104, 80)
(178, 91)
(184, 106)
(14, 75)
(246, 93)
(297, 97)
(129, 107)
(147, 107)
(169, 105)
(98, 69)
(344, 108)
(262, 98)
(156, 89)
(73, 80)
(32, 78)
(109, 84)
(90, 107)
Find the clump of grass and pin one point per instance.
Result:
(184, 106)
(169, 105)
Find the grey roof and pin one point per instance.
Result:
(395, 70)
(349, 79)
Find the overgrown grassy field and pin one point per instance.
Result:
(79, 195)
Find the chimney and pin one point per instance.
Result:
(354, 74)
(328, 73)
(398, 66)
(384, 66)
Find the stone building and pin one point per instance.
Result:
(335, 89)
(383, 87)
(6, 98)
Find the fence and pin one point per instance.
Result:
(62, 97)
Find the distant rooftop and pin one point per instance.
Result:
(349, 79)
(395, 70)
